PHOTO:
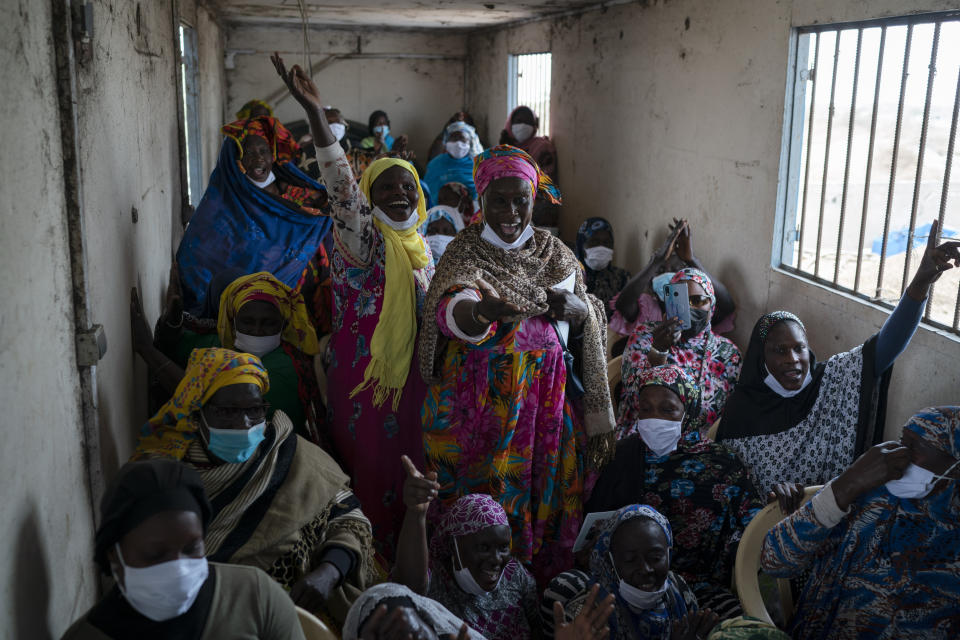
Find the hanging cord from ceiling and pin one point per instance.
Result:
(308, 62)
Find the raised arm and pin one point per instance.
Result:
(413, 559)
(351, 211)
(899, 328)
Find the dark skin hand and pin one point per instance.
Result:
(305, 92)
(419, 490)
(402, 623)
(936, 259)
(880, 464)
(591, 624)
(168, 373)
(669, 332)
(788, 494)
(640, 283)
(490, 306)
(315, 588)
(696, 625)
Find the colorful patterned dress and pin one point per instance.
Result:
(368, 440)
(500, 423)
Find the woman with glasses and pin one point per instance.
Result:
(279, 503)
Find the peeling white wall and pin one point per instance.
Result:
(128, 137)
(655, 117)
(418, 94)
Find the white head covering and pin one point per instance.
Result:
(432, 612)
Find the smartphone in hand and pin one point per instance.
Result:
(677, 302)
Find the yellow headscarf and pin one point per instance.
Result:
(391, 347)
(297, 328)
(169, 433)
(245, 110)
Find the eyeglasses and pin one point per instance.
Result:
(233, 415)
(699, 301)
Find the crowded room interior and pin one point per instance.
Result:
(463, 320)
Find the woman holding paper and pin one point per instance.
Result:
(505, 414)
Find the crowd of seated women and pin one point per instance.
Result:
(382, 396)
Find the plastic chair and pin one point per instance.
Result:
(747, 565)
(712, 431)
(313, 627)
(614, 375)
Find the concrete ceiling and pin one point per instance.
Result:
(402, 14)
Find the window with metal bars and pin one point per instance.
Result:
(869, 145)
(529, 85)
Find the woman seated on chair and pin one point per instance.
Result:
(280, 503)
(881, 541)
(711, 360)
(468, 567)
(153, 517)
(259, 315)
(792, 419)
(699, 485)
(630, 558)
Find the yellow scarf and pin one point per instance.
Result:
(392, 344)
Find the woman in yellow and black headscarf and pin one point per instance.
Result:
(279, 503)
(381, 268)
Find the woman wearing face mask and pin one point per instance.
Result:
(380, 140)
(456, 165)
(381, 268)
(630, 558)
(520, 131)
(711, 360)
(150, 539)
(258, 315)
(594, 250)
(881, 541)
(260, 212)
(443, 223)
(504, 414)
(702, 487)
(280, 503)
(792, 419)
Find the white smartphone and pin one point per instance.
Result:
(677, 302)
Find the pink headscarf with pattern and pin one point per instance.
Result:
(469, 514)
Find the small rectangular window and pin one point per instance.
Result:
(869, 146)
(191, 114)
(530, 86)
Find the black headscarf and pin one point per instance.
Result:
(140, 490)
(754, 409)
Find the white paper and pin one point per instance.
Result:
(588, 522)
(567, 284)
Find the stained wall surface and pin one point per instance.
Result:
(416, 77)
(664, 109)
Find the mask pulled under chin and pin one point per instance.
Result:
(598, 258)
(266, 183)
(402, 225)
(638, 599)
(491, 236)
(257, 345)
(782, 391)
(522, 132)
(465, 579)
(916, 482)
(660, 436)
(162, 591)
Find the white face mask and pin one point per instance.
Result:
(782, 391)
(465, 579)
(660, 436)
(598, 258)
(164, 590)
(265, 183)
(338, 129)
(438, 244)
(403, 225)
(491, 236)
(458, 149)
(522, 132)
(917, 482)
(257, 345)
(638, 599)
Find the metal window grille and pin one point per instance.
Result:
(869, 145)
(189, 90)
(530, 85)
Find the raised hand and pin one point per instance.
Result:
(684, 243)
(666, 334)
(880, 464)
(591, 624)
(565, 305)
(936, 259)
(299, 83)
(419, 489)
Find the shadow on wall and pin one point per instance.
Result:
(32, 589)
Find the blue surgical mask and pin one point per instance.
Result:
(659, 282)
(235, 445)
(381, 130)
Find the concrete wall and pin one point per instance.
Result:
(129, 157)
(419, 94)
(664, 109)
